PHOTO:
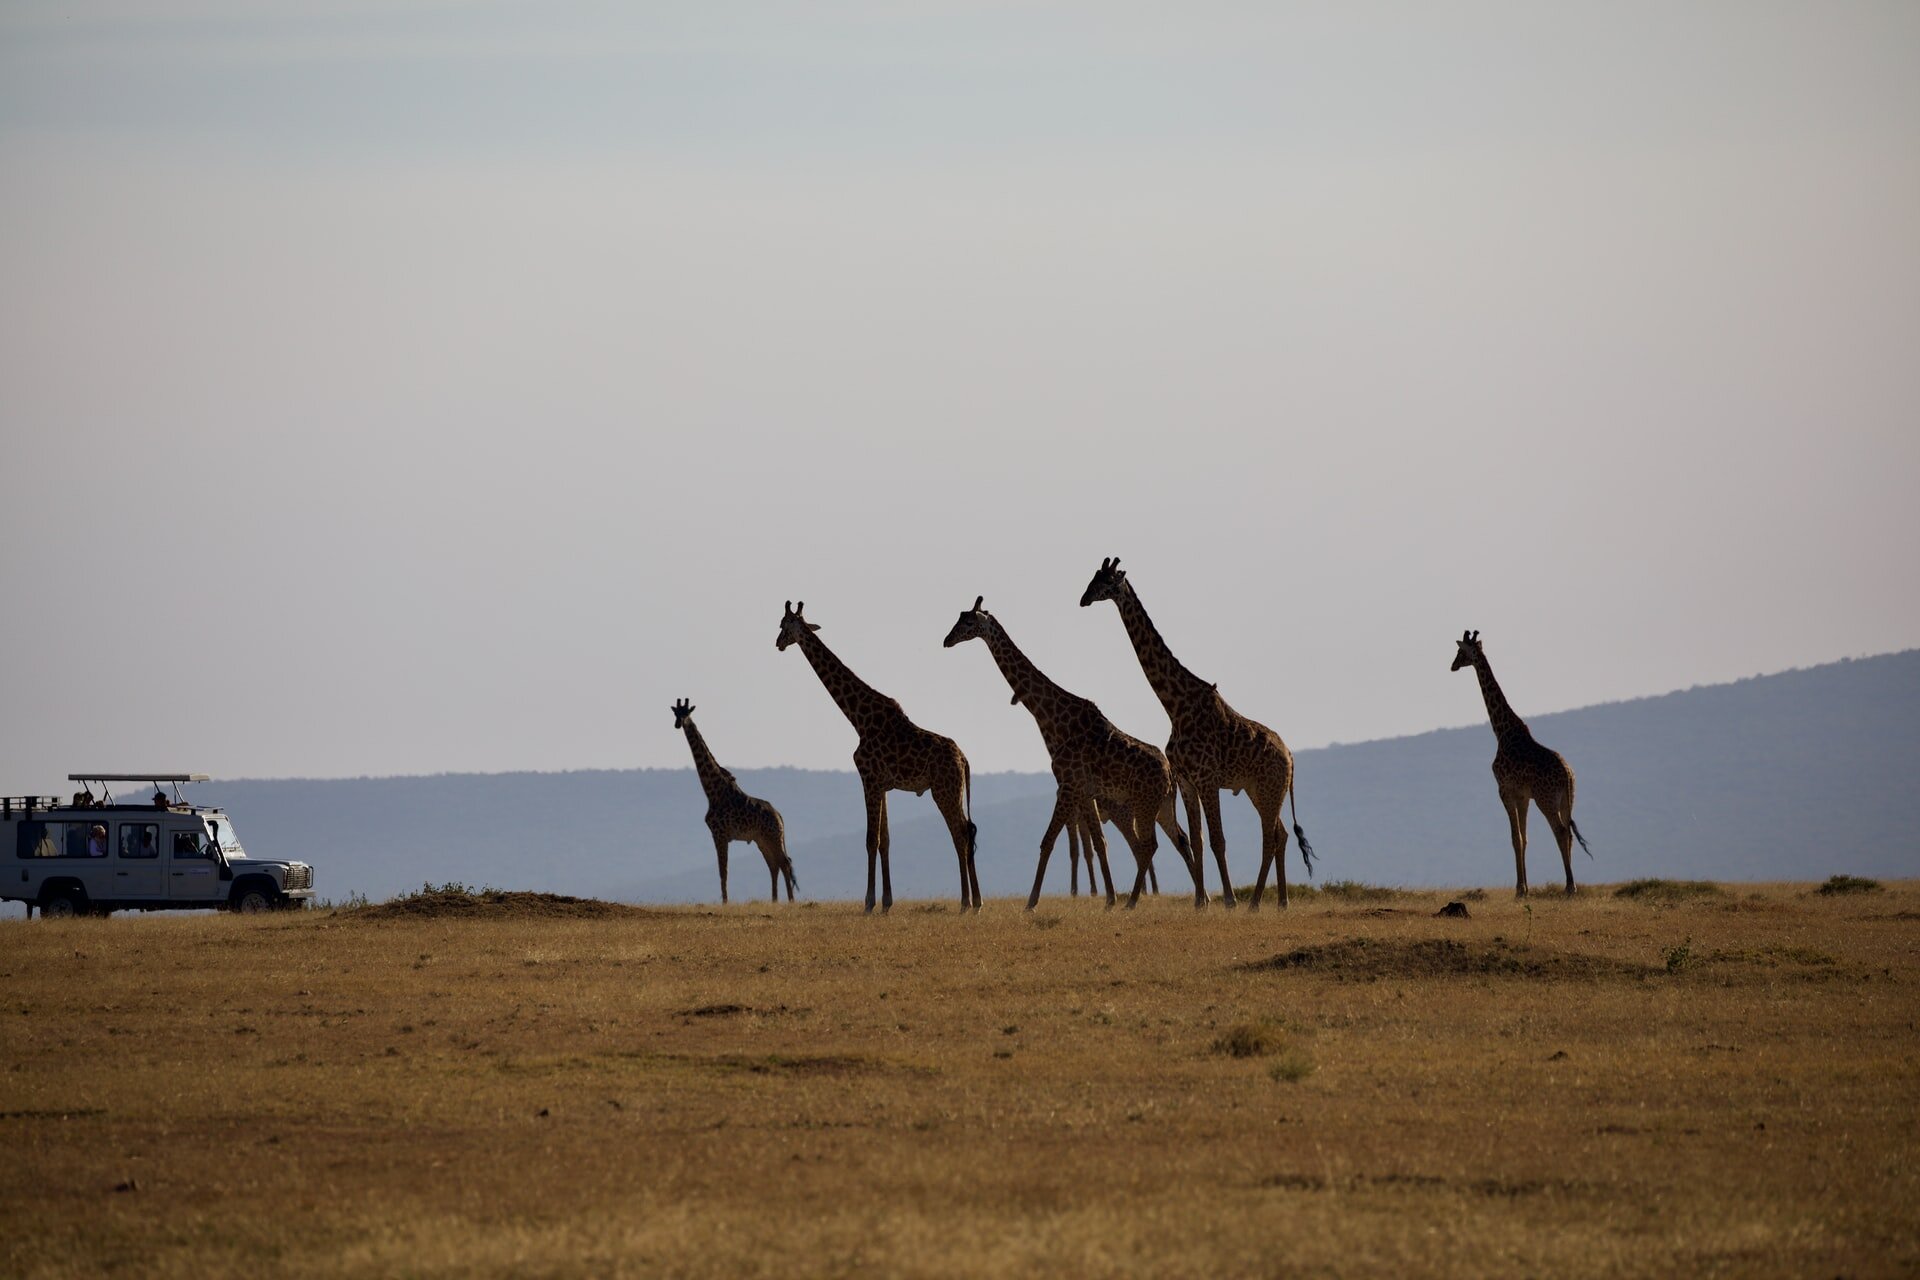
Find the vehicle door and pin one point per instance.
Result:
(84, 849)
(138, 871)
(192, 873)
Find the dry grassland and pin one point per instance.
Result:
(1688, 1082)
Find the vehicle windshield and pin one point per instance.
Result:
(229, 842)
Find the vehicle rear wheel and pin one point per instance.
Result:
(63, 904)
(252, 900)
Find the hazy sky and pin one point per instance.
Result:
(416, 387)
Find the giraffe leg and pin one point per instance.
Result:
(876, 828)
(1273, 851)
(1073, 861)
(1517, 819)
(720, 851)
(1144, 843)
(1170, 824)
(1554, 811)
(1098, 837)
(1217, 838)
(886, 859)
(1062, 817)
(951, 808)
(1196, 842)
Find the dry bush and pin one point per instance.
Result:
(1848, 884)
(1667, 892)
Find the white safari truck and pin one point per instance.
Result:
(93, 854)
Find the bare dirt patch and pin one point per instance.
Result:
(1371, 959)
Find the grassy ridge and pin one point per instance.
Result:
(1348, 1087)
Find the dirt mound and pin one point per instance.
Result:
(455, 903)
(1371, 959)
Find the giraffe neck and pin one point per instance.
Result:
(1175, 686)
(856, 699)
(1506, 723)
(712, 777)
(1047, 701)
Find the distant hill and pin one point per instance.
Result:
(1790, 776)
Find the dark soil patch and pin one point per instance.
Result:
(777, 1064)
(1346, 891)
(495, 904)
(1371, 959)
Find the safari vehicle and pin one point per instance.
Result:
(94, 855)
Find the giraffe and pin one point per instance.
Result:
(1523, 770)
(1213, 746)
(732, 814)
(894, 754)
(1101, 772)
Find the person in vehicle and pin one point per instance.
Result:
(97, 842)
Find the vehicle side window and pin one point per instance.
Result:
(186, 844)
(139, 839)
(37, 840)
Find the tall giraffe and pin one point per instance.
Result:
(894, 754)
(732, 814)
(1212, 747)
(1523, 770)
(1101, 772)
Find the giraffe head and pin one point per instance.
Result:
(682, 714)
(1469, 650)
(971, 625)
(791, 626)
(1107, 584)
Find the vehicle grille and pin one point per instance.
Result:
(299, 876)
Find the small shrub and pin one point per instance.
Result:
(1679, 957)
(1244, 1040)
(1848, 884)
(1291, 1067)
(1666, 892)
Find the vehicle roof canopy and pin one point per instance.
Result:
(138, 777)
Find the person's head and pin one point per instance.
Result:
(99, 831)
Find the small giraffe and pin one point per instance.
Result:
(1523, 769)
(1212, 747)
(732, 814)
(1101, 772)
(894, 754)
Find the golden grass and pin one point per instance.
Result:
(1339, 1089)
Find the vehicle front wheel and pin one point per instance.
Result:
(252, 900)
(63, 904)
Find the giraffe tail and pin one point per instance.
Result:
(1577, 836)
(1299, 832)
